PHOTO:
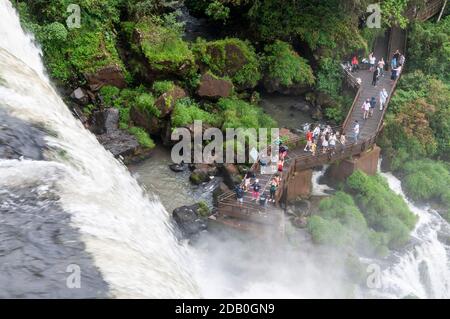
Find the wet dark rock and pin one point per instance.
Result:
(190, 220)
(178, 167)
(202, 173)
(80, 96)
(146, 120)
(78, 113)
(214, 87)
(231, 175)
(118, 142)
(20, 139)
(37, 244)
(109, 75)
(166, 102)
(199, 176)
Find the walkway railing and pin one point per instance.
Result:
(230, 207)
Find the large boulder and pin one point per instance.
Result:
(109, 75)
(118, 142)
(145, 120)
(214, 87)
(202, 173)
(231, 175)
(230, 57)
(167, 100)
(190, 219)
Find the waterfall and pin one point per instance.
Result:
(127, 233)
(317, 188)
(422, 271)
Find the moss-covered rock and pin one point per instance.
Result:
(212, 86)
(164, 51)
(285, 71)
(231, 58)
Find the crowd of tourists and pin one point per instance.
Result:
(321, 140)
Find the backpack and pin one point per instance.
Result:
(256, 187)
(273, 188)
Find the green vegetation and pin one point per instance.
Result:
(161, 44)
(69, 55)
(341, 224)
(418, 122)
(160, 87)
(231, 58)
(374, 221)
(285, 66)
(203, 209)
(217, 11)
(238, 113)
(384, 210)
(186, 111)
(142, 137)
(124, 100)
(429, 48)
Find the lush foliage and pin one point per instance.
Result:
(285, 66)
(240, 114)
(186, 111)
(418, 123)
(161, 43)
(231, 58)
(142, 137)
(160, 87)
(426, 180)
(430, 48)
(124, 100)
(70, 54)
(340, 223)
(384, 210)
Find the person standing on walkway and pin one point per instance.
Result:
(401, 60)
(355, 63)
(272, 190)
(366, 108)
(342, 140)
(383, 98)
(395, 73)
(356, 130)
(256, 189)
(381, 65)
(309, 138)
(395, 59)
(375, 76)
(332, 142)
(239, 194)
(313, 148)
(316, 133)
(372, 60)
(373, 104)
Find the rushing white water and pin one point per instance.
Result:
(128, 234)
(317, 188)
(422, 271)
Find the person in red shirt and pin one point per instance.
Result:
(355, 63)
(309, 137)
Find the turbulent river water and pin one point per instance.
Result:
(65, 201)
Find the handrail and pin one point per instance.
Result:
(350, 112)
(307, 160)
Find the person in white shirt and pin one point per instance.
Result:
(366, 109)
(372, 60)
(383, 98)
(356, 131)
